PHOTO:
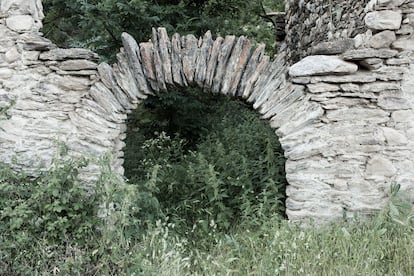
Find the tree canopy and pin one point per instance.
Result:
(97, 24)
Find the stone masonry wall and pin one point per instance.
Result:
(312, 22)
(346, 160)
(40, 87)
(339, 95)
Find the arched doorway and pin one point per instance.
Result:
(204, 158)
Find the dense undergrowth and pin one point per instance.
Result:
(204, 196)
(205, 160)
(49, 226)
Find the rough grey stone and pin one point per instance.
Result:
(333, 47)
(12, 55)
(404, 44)
(5, 73)
(252, 71)
(380, 86)
(73, 53)
(358, 77)
(176, 59)
(380, 166)
(161, 76)
(146, 52)
(321, 65)
(235, 66)
(202, 59)
(32, 42)
(350, 87)
(132, 52)
(388, 102)
(394, 137)
(77, 64)
(383, 39)
(405, 29)
(189, 53)
(397, 61)
(162, 45)
(212, 62)
(383, 20)
(369, 53)
(222, 59)
(20, 23)
(363, 114)
(322, 87)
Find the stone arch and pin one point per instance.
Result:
(224, 65)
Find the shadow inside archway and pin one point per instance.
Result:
(204, 160)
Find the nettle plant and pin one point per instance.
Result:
(53, 206)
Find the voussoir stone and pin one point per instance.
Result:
(383, 20)
(322, 65)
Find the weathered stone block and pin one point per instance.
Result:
(394, 137)
(383, 20)
(72, 53)
(380, 167)
(382, 39)
(322, 87)
(5, 73)
(389, 102)
(333, 47)
(322, 65)
(12, 55)
(404, 44)
(369, 53)
(77, 64)
(20, 23)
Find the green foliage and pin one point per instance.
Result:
(53, 206)
(212, 161)
(116, 244)
(54, 223)
(4, 109)
(97, 24)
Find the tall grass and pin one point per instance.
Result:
(281, 248)
(116, 244)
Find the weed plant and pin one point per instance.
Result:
(86, 244)
(49, 225)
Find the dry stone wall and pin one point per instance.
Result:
(361, 141)
(339, 95)
(40, 88)
(312, 22)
